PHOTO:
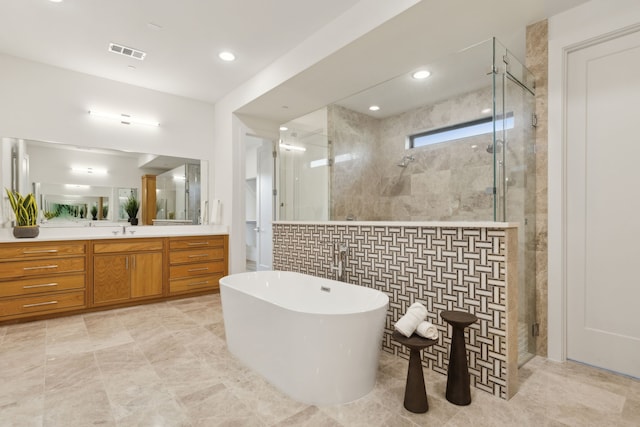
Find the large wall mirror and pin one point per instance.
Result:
(82, 186)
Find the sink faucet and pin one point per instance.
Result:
(124, 229)
(341, 258)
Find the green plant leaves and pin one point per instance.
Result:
(131, 206)
(24, 208)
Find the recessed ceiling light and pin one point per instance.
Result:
(227, 56)
(55, 1)
(486, 111)
(421, 74)
(374, 108)
(283, 128)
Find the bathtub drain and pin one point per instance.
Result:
(325, 289)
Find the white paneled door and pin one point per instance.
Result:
(603, 203)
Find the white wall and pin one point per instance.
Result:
(230, 129)
(45, 103)
(566, 31)
(53, 165)
(251, 162)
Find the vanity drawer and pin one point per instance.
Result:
(196, 255)
(39, 251)
(128, 246)
(195, 283)
(42, 284)
(42, 304)
(203, 242)
(41, 267)
(196, 269)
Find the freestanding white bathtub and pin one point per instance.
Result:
(317, 340)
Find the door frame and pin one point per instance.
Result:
(559, 50)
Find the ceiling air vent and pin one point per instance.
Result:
(127, 51)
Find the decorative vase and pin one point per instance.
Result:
(134, 221)
(22, 232)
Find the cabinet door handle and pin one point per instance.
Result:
(40, 267)
(198, 269)
(41, 251)
(44, 285)
(39, 304)
(198, 256)
(206, 282)
(197, 243)
(126, 263)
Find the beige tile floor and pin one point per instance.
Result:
(167, 365)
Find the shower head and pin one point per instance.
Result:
(405, 161)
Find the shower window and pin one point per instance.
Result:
(459, 131)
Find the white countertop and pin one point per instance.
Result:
(441, 224)
(115, 232)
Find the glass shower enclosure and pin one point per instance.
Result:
(458, 145)
(178, 194)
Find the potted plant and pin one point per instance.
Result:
(25, 210)
(131, 207)
(94, 212)
(105, 211)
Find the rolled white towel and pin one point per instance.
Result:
(427, 330)
(408, 323)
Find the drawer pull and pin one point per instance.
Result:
(39, 304)
(198, 256)
(40, 267)
(41, 251)
(197, 243)
(206, 282)
(198, 269)
(45, 285)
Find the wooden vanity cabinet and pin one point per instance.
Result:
(196, 263)
(127, 269)
(39, 278)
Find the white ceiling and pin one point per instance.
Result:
(422, 35)
(182, 54)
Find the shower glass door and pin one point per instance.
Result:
(304, 167)
(515, 172)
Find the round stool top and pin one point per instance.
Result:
(414, 341)
(458, 318)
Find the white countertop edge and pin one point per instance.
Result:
(98, 233)
(441, 224)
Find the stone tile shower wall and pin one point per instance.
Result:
(444, 267)
(447, 182)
